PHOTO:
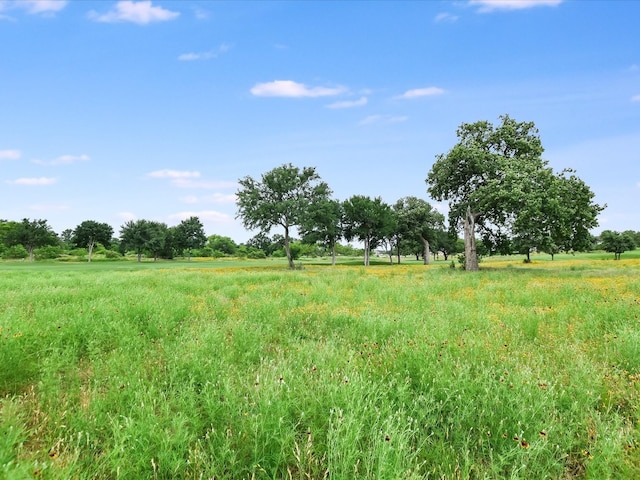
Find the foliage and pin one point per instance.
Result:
(222, 244)
(15, 252)
(31, 234)
(323, 225)
(367, 220)
(283, 197)
(616, 242)
(189, 234)
(47, 252)
(89, 233)
(418, 221)
(496, 182)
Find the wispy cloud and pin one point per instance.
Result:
(173, 174)
(220, 198)
(445, 17)
(126, 216)
(142, 13)
(635, 98)
(10, 154)
(63, 160)
(222, 49)
(382, 119)
(422, 92)
(32, 182)
(50, 207)
(204, 215)
(35, 7)
(289, 88)
(349, 103)
(486, 6)
(188, 183)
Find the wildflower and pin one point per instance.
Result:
(543, 434)
(524, 444)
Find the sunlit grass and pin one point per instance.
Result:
(403, 371)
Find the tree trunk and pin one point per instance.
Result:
(139, 257)
(30, 250)
(89, 251)
(366, 251)
(333, 253)
(425, 253)
(287, 248)
(398, 251)
(470, 254)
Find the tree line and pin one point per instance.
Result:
(501, 194)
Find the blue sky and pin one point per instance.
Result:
(119, 110)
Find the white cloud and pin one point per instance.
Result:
(635, 98)
(422, 92)
(220, 198)
(33, 181)
(288, 88)
(382, 119)
(187, 183)
(493, 5)
(445, 17)
(63, 160)
(173, 174)
(34, 7)
(203, 215)
(49, 207)
(224, 48)
(142, 13)
(10, 154)
(126, 216)
(349, 103)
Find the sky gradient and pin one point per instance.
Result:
(120, 110)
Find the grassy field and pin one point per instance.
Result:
(243, 370)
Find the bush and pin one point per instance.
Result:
(14, 252)
(256, 254)
(111, 255)
(48, 252)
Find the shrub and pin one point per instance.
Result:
(47, 252)
(14, 252)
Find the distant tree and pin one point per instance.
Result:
(222, 244)
(417, 220)
(66, 237)
(90, 232)
(283, 197)
(32, 234)
(323, 225)
(190, 235)
(616, 242)
(136, 235)
(159, 242)
(368, 220)
(447, 243)
(260, 241)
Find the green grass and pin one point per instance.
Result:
(241, 370)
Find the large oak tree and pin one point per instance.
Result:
(498, 186)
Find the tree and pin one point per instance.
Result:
(616, 242)
(323, 224)
(141, 235)
(497, 183)
(189, 235)
(32, 234)
(417, 220)
(90, 232)
(283, 197)
(218, 243)
(368, 220)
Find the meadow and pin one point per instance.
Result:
(246, 370)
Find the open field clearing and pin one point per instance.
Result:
(249, 370)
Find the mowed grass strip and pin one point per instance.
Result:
(328, 372)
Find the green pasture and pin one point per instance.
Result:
(230, 369)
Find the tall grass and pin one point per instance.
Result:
(187, 371)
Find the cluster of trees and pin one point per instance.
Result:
(292, 198)
(496, 183)
(501, 194)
